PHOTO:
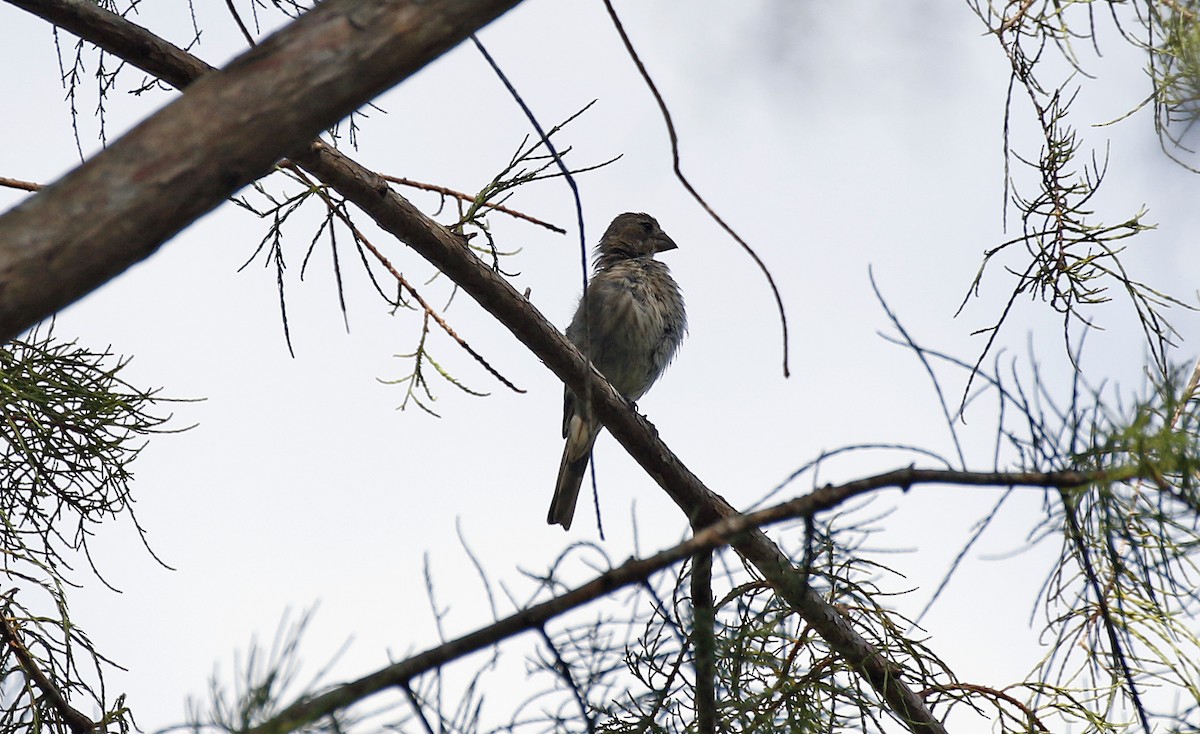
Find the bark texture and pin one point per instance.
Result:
(228, 129)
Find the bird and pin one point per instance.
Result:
(629, 323)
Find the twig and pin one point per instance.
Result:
(468, 197)
(564, 672)
(387, 264)
(666, 114)
(15, 183)
(1111, 628)
(1189, 393)
(1015, 18)
(1030, 714)
(417, 708)
(704, 619)
(77, 720)
(241, 26)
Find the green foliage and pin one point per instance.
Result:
(1125, 584)
(1072, 259)
(70, 426)
(1119, 603)
(773, 672)
(1175, 70)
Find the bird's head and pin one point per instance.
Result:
(634, 235)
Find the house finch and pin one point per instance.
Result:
(629, 323)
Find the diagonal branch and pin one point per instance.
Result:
(366, 189)
(450, 254)
(636, 570)
(75, 719)
(228, 130)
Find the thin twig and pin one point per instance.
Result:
(583, 258)
(241, 26)
(1111, 628)
(1189, 393)
(1030, 714)
(468, 197)
(387, 264)
(1015, 18)
(75, 719)
(666, 114)
(417, 708)
(564, 672)
(16, 183)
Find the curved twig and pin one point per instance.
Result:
(666, 114)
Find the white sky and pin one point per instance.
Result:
(833, 136)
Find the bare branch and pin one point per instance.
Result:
(229, 129)
(14, 183)
(340, 213)
(666, 114)
(464, 197)
(704, 643)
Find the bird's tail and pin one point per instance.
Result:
(580, 439)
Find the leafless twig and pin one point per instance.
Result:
(468, 197)
(14, 183)
(666, 114)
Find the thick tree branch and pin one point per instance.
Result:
(228, 130)
(125, 39)
(105, 257)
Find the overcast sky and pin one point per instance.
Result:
(836, 137)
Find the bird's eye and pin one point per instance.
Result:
(647, 227)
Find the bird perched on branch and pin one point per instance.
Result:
(629, 323)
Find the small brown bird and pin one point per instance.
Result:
(629, 323)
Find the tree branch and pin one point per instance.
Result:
(636, 570)
(75, 719)
(228, 130)
(13, 183)
(444, 191)
(449, 253)
(704, 644)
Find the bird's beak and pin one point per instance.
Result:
(664, 243)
